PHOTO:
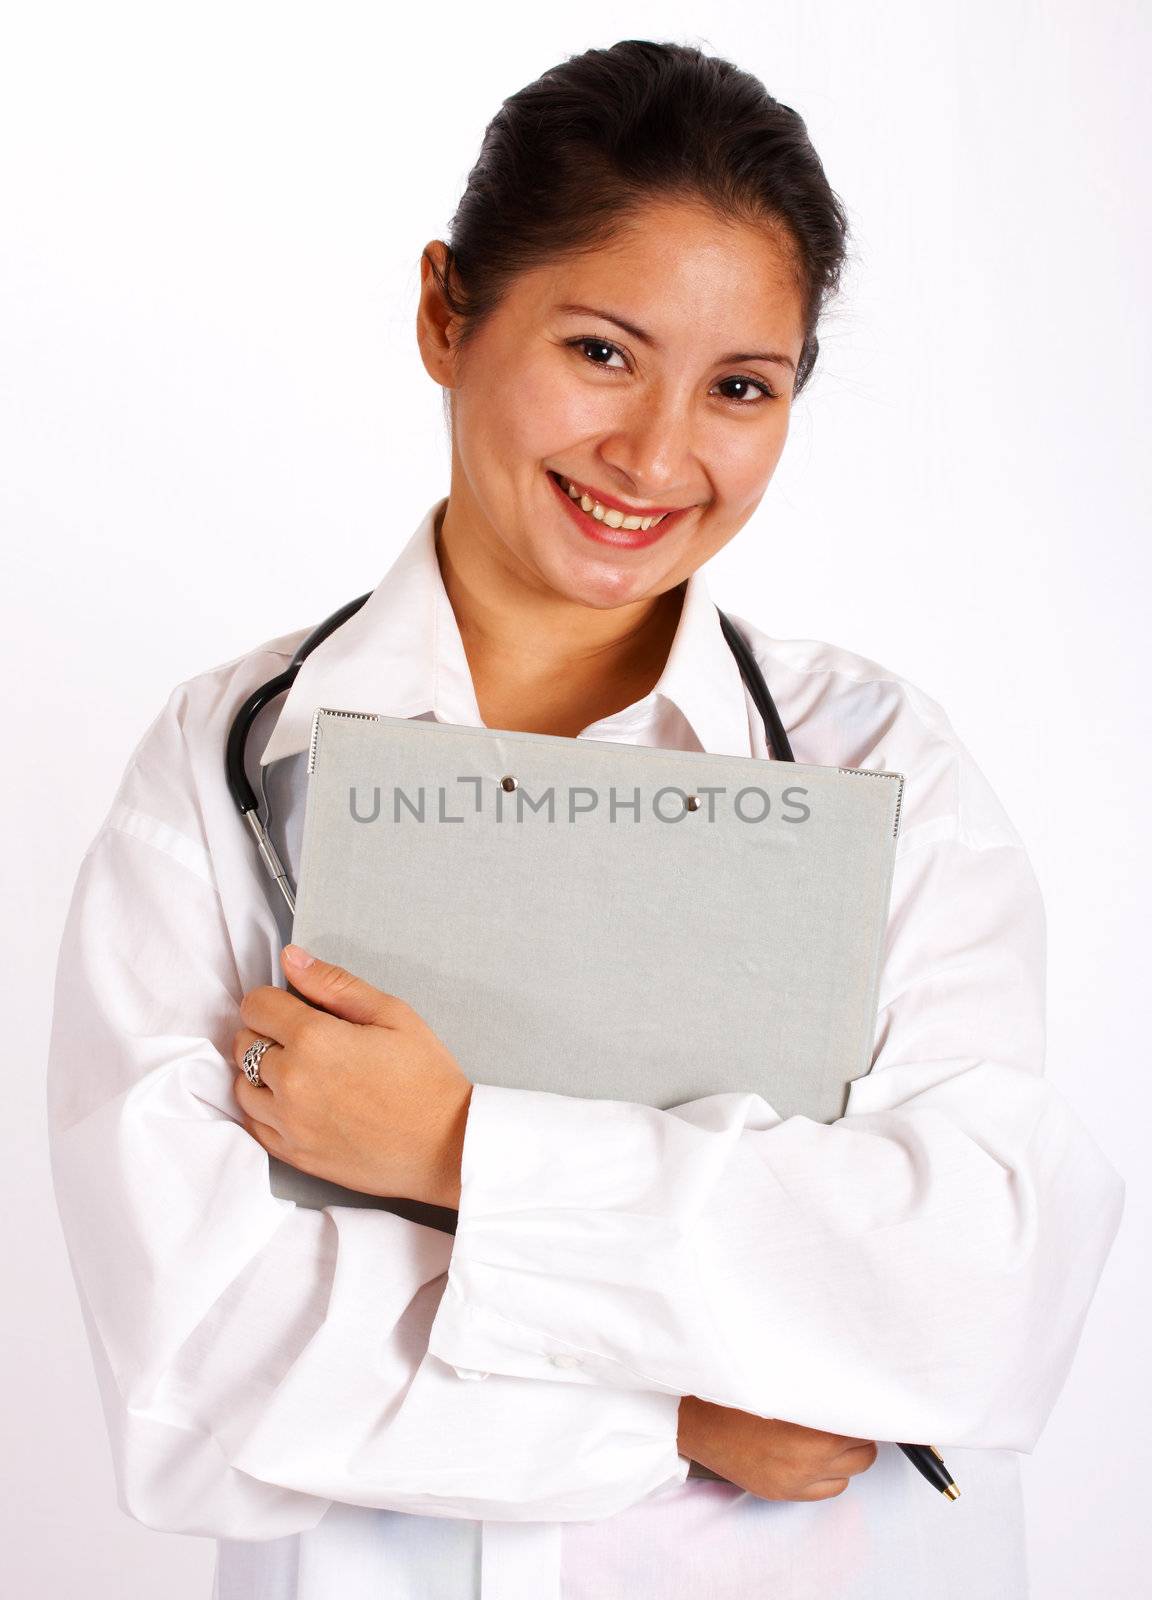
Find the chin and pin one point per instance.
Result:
(603, 585)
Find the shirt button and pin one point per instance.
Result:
(567, 1361)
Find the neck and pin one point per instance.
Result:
(541, 663)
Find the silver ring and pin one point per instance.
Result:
(251, 1062)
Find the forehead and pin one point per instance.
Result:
(676, 268)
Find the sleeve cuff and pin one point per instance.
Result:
(573, 1221)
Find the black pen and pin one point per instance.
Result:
(928, 1460)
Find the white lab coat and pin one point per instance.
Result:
(357, 1405)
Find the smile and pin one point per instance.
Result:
(612, 515)
(608, 524)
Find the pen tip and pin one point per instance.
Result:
(952, 1492)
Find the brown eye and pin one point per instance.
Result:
(597, 344)
(754, 383)
(589, 342)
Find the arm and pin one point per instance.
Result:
(918, 1270)
(258, 1360)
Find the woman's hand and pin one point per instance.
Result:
(773, 1460)
(362, 1093)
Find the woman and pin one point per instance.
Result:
(354, 1403)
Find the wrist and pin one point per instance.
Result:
(444, 1177)
(688, 1426)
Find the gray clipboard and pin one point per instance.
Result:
(596, 919)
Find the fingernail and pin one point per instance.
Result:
(296, 957)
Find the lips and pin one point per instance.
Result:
(610, 503)
(602, 532)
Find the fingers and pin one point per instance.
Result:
(838, 1441)
(826, 1489)
(840, 1466)
(264, 1133)
(342, 993)
(831, 1443)
(257, 1102)
(867, 1450)
(848, 1463)
(242, 1040)
(274, 1013)
(820, 1447)
(858, 1460)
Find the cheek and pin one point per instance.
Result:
(747, 458)
(517, 418)
(541, 412)
(549, 415)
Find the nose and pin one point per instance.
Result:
(651, 451)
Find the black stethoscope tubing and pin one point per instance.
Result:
(245, 797)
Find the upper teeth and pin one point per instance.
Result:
(609, 514)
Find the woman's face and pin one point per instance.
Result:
(687, 408)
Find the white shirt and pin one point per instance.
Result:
(358, 1406)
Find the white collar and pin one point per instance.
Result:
(402, 655)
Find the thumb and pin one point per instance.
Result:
(338, 991)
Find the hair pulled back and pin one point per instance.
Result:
(572, 158)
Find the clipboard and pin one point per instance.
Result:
(597, 919)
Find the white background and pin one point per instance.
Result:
(215, 427)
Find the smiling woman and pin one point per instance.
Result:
(621, 320)
(626, 310)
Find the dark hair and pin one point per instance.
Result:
(570, 158)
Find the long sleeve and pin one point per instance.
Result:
(258, 1360)
(919, 1269)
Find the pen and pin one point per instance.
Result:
(928, 1460)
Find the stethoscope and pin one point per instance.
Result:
(245, 796)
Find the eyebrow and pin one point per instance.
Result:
(646, 338)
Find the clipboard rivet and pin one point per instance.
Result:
(508, 782)
(692, 802)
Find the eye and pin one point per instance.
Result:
(597, 344)
(589, 340)
(756, 383)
